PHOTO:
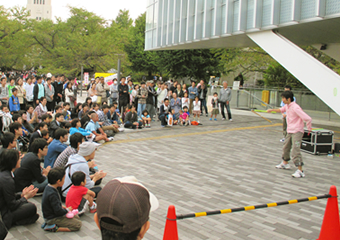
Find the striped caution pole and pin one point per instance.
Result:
(247, 208)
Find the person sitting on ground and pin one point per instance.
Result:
(47, 118)
(41, 108)
(86, 119)
(76, 111)
(126, 110)
(83, 111)
(8, 141)
(53, 211)
(131, 119)
(146, 119)
(67, 112)
(76, 128)
(94, 127)
(106, 124)
(183, 118)
(25, 124)
(56, 147)
(75, 140)
(14, 208)
(58, 109)
(79, 197)
(174, 118)
(113, 116)
(20, 141)
(56, 124)
(17, 118)
(129, 202)
(38, 134)
(163, 112)
(30, 171)
(32, 116)
(13, 102)
(81, 162)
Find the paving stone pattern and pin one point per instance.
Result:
(221, 166)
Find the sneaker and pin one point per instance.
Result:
(223, 119)
(206, 115)
(198, 122)
(282, 139)
(210, 119)
(298, 174)
(283, 166)
(51, 228)
(93, 208)
(85, 208)
(111, 138)
(230, 120)
(215, 119)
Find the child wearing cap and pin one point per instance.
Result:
(53, 211)
(79, 197)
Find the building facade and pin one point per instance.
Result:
(40, 9)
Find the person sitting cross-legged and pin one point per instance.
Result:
(56, 147)
(30, 171)
(53, 211)
(131, 119)
(94, 127)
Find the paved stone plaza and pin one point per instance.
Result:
(215, 166)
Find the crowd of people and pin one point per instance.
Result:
(49, 139)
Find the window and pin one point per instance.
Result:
(44, 2)
(37, 18)
(40, 1)
(34, 1)
(47, 11)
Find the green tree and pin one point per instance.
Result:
(141, 61)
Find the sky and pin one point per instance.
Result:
(107, 9)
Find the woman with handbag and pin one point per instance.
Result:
(69, 94)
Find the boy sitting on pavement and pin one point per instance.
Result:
(53, 211)
(79, 197)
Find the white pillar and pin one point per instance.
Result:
(321, 80)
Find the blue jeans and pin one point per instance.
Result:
(40, 186)
(130, 125)
(225, 105)
(141, 108)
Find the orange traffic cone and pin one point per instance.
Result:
(330, 228)
(170, 231)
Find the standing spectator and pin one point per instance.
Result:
(150, 99)
(11, 86)
(69, 95)
(14, 105)
(197, 109)
(184, 89)
(102, 87)
(21, 93)
(93, 93)
(225, 97)
(175, 104)
(123, 90)
(49, 90)
(114, 92)
(192, 94)
(215, 106)
(142, 96)
(202, 94)
(164, 110)
(56, 147)
(29, 91)
(58, 90)
(38, 91)
(134, 96)
(30, 171)
(41, 108)
(4, 91)
(14, 208)
(161, 95)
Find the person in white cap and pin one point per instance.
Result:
(82, 162)
(123, 209)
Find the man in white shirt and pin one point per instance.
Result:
(29, 91)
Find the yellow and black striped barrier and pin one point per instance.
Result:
(247, 208)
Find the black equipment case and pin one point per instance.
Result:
(320, 141)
